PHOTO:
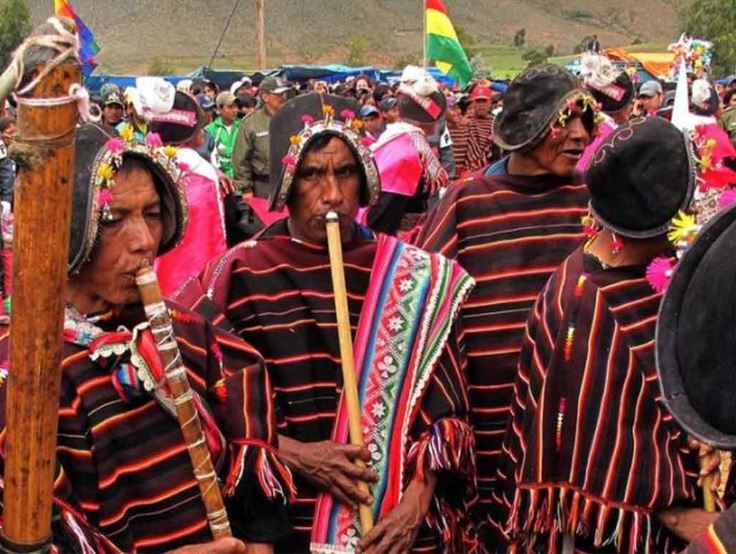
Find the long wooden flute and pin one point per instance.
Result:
(182, 395)
(349, 384)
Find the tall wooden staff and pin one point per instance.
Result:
(43, 72)
(182, 395)
(349, 384)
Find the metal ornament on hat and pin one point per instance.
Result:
(348, 130)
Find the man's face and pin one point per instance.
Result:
(482, 107)
(327, 180)
(558, 155)
(732, 100)
(229, 113)
(133, 235)
(113, 114)
(209, 91)
(391, 115)
(454, 114)
(372, 124)
(9, 133)
(651, 103)
(273, 101)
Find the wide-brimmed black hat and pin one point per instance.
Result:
(640, 177)
(616, 95)
(298, 123)
(531, 103)
(181, 123)
(696, 336)
(98, 156)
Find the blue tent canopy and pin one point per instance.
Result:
(292, 72)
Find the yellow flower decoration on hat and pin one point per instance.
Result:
(683, 227)
(296, 140)
(105, 172)
(170, 151)
(126, 133)
(328, 110)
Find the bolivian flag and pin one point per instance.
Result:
(443, 46)
(88, 47)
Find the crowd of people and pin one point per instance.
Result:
(506, 250)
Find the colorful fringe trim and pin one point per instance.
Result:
(541, 514)
(448, 446)
(273, 476)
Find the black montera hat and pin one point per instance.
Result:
(301, 120)
(615, 96)
(696, 336)
(531, 103)
(98, 156)
(181, 123)
(640, 177)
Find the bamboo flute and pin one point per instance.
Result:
(350, 386)
(181, 393)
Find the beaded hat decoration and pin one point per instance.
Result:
(99, 158)
(318, 116)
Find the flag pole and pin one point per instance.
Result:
(424, 34)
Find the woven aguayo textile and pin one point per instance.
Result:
(124, 470)
(409, 309)
(591, 450)
(510, 234)
(277, 293)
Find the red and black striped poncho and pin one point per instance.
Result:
(124, 470)
(276, 292)
(590, 449)
(510, 233)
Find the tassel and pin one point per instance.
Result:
(659, 273)
(616, 245)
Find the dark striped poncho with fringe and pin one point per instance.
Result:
(590, 449)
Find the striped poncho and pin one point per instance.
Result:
(124, 470)
(510, 234)
(590, 450)
(276, 292)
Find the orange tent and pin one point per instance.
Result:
(655, 63)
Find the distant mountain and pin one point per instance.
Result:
(185, 32)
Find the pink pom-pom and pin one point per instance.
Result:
(154, 140)
(115, 145)
(347, 114)
(659, 273)
(307, 119)
(367, 140)
(104, 197)
(184, 167)
(727, 198)
(288, 160)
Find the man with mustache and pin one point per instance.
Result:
(276, 290)
(510, 228)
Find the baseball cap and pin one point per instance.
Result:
(273, 85)
(481, 92)
(113, 97)
(368, 111)
(225, 98)
(388, 103)
(650, 89)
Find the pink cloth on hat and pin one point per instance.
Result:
(398, 164)
(204, 237)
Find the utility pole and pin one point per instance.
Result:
(260, 37)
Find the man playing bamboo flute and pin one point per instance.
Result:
(511, 228)
(125, 480)
(276, 292)
(591, 451)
